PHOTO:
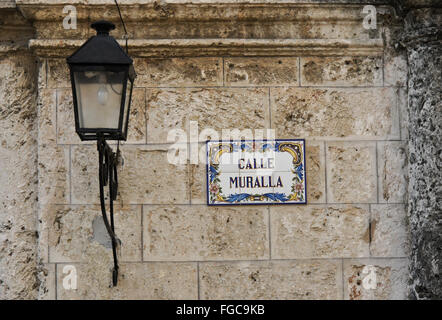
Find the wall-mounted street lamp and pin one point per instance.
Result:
(102, 77)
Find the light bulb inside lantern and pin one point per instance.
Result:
(102, 95)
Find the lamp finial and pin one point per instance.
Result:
(103, 27)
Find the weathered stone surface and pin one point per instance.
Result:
(137, 281)
(54, 178)
(47, 117)
(217, 109)
(47, 281)
(53, 160)
(424, 51)
(234, 47)
(392, 167)
(145, 178)
(46, 109)
(198, 184)
(369, 113)
(315, 171)
(18, 177)
(395, 71)
(262, 71)
(55, 29)
(201, 233)
(395, 59)
(84, 175)
(390, 281)
(65, 118)
(403, 112)
(351, 172)
(58, 74)
(319, 231)
(66, 124)
(78, 232)
(136, 133)
(389, 231)
(336, 71)
(305, 279)
(175, 72)
(213, 20)
(18, 261)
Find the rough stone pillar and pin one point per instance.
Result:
(18, 158)
(423, 40)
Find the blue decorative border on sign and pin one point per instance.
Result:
(214, 195)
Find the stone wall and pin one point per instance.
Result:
(306, 70)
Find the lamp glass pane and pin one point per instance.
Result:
(99, 96)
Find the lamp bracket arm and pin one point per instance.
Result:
(108, 174)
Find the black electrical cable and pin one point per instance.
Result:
(124, 26)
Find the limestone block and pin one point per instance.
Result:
(393, 168)
(177, 72)
(395, 70)
(146, 176)
(198, 184)
(65, 118)
(41, 74)
(337, 71)
(66, 124)
(137, 281)
(136, 133)
(76, 233)
(315, 165)
(403, 112)
(47, 116)
(54, 177)
(303, 279)
(84, 175)
(319, 231)
(216, 109)
(43, 227)
(351, 172)
(389, 231)
(205, 233)
(58, 75)
(198, 174)
(262, 71)
(395, 59)
(389, 279)
(340, 113)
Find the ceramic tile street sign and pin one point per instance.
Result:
(256, 172)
